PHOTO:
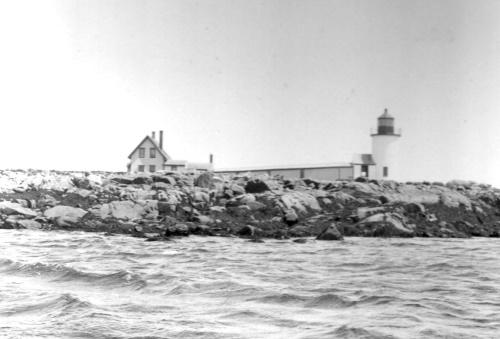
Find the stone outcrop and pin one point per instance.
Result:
(331, 233)
(168, 204)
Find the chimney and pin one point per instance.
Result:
(161, 139)
(153, 135)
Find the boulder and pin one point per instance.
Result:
(364, 212)
(246, 198)
(66, 221)
(331, 233)
(300, 201)
(237, 189)
(342, 197)
(177, 230)
(201, 196)
(167, 179)
(127, 210)
(61, 210)
(204, 219)
(218, 209)
(386, 224)
(142, 180)
(10, 208)
(256, 186)
(204, 180)
(415, 207)
(455, 199)
(29, 224)
(256, 206)
(83, 193)
(291, 218)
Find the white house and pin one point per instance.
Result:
(149, 156)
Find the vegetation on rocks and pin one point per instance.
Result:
(163, 205)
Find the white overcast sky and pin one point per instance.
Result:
(256, 83)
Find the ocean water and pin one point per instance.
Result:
(85, 285)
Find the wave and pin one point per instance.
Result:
(62, 304)
(329, 301)
(36, 268)
(63, 273)
(322, 301)
(118, 279)
(448, 266)
(357, 333)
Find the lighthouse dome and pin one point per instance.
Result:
(386, 115)
(385, 124)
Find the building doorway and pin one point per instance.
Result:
(364, 171)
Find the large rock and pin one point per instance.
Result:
(66, 211)
(142, 180)
(237, 189)
(383, 225)
(300, 201)
(29, 224)
(256, 186)
(66, 221)
(9, 208)
(204, 180)
(331, 233)
(395, 219)
(364, 212)
(127, 210)
(291, 218)
(167, 179)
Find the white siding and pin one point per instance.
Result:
(135, 161)
(385, 152)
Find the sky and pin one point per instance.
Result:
(255, 83)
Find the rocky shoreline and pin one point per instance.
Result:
(161, 206)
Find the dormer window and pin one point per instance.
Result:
(142, 152)
(152, 152)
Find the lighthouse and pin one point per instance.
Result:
(385, 149)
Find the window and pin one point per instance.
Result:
(386, 172)
(152, 152)
(142, 152)
(173, 168)
(152, 168)
(141, 168)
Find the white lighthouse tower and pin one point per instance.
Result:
(385, 149)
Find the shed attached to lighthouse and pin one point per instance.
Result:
(385, 149)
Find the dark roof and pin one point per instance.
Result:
(362, 159)
(155, 143)
(386, 115)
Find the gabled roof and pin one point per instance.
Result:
(362, 159)
(157, 146)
